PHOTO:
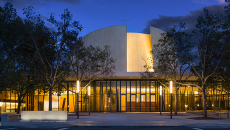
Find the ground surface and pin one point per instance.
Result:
(125, 121)
(176, 128)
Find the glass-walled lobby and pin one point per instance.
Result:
(118, 96)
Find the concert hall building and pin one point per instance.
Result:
(126, 91)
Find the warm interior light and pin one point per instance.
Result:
(143, 47)
(89, 90)
(77, 86)
(160, 90)
(170, 86)
(1, 104)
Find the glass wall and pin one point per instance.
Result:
(118, 96)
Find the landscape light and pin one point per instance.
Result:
(77, 112)
(160, 98)
(89, 90)
(89, 98)
(160, 90)
(171, 100)
(170, 86)
(77, 86)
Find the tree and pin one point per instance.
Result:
(53, 52)
(224, 70)
(171, 62)
(202, 51)
(89, 63)
(208, 50)
(17, 58)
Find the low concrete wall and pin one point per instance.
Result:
(10, 117)
(212, 113)
(224, 115)
(195, 112)
(44, 115)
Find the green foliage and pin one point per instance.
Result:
(32, 56)
(18, 58)
(205, 52)
(90, 63)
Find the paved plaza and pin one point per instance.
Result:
(134, 119)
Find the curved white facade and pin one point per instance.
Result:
(131, 50)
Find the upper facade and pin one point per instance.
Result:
(131, 50)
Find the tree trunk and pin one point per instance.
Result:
(50, 98)
(174, 84)
(19, 104)
(204, 102)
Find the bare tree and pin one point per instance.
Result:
(200, 51)
(90, 63)
(171, 63)
(53, 51)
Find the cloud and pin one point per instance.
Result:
(200, 1)
(26, 3)
(164, 22)
(22, 3)
(43, 17)
(66, 1)
(221, 1)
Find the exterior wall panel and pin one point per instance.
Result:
(155, 35)
(131, 50)
(116, 38)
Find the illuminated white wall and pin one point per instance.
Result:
(138, 52)
(128, 49)
(116, 38)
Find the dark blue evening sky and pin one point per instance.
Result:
(136, 14)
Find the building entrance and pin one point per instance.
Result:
(113, 102)
(123, 103)
(133, 103)
(104, 103)
(143, 103)
(153, 104)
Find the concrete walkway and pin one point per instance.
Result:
(153, 119)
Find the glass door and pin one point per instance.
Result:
(103, 103)
(133, 103)
(143, 103)
(153, 103)
(123, 103)
(113, 103)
